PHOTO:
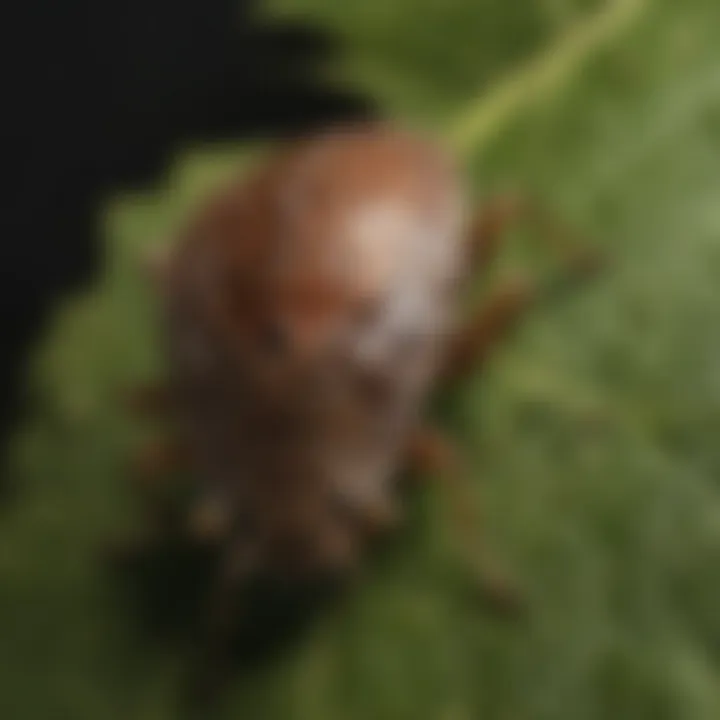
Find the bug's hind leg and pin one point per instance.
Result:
(431, 453)
(220, 623)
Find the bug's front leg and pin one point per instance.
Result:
(514, 297)
(489, 228)
(431, 453)
(472, 344)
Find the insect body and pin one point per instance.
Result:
(309, 311)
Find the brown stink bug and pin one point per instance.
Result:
(309, 312)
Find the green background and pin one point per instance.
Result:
(593, 435)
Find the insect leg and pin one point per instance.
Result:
(221, 621)
(430, 452)
(500, 214)
(149, 473)
(157, 459)
(487, 229)
(380, 516)
(153, 401)
(472, 344)
(513, 297)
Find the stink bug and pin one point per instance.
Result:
(309, 311)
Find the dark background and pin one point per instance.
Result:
(98, 95)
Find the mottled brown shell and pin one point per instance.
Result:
(306, 309)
